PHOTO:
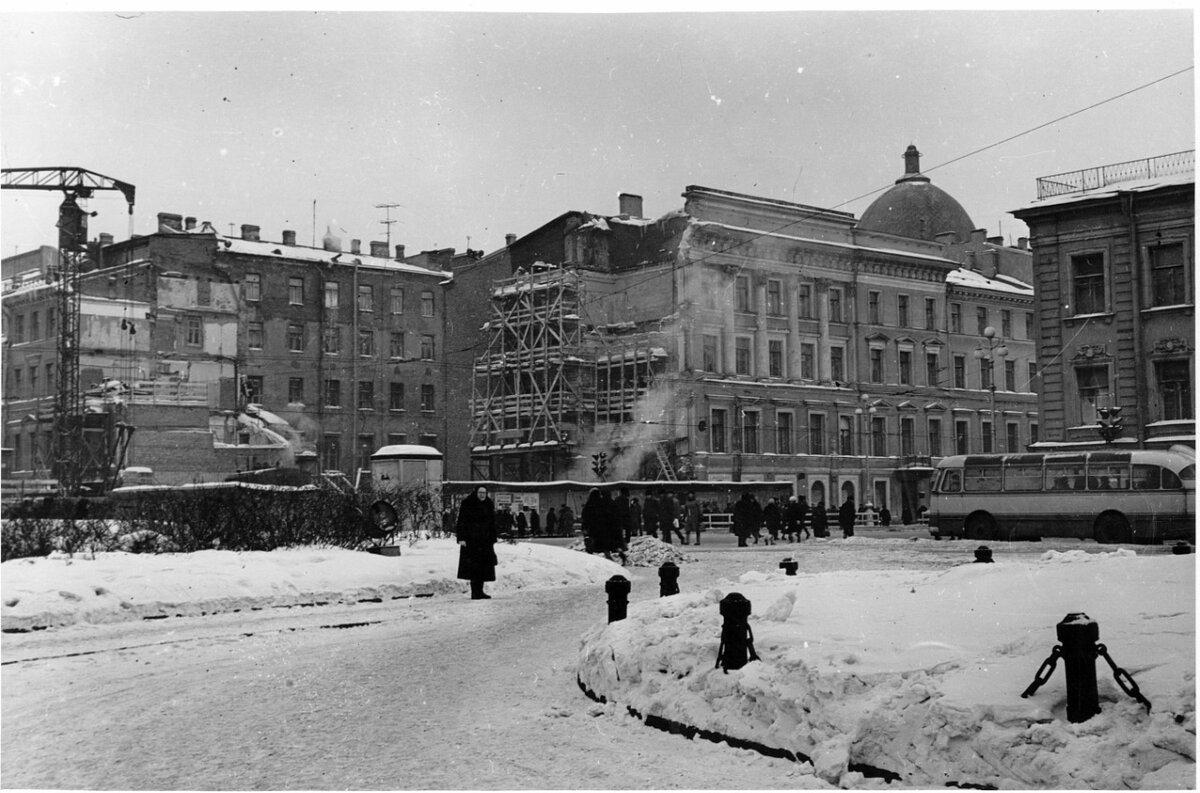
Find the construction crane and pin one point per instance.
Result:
(70, 455)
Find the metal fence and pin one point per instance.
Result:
(1104, 175)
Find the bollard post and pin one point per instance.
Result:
(668, 579)
(983, 554)
(617, 588)
(737, 643)
(1078, 634)
(789, 566)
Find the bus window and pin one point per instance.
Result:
(1023, 477)
(952, 481)
(981, 479)
(1108, 476)
(1170, 481)
(1064, 476)
(1146, 477)
(1188, 474)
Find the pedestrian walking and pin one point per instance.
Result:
(673, 522)
(773, 520)
(535, 522)
(551, 521)
(635, 516)
(791, 519)
(650, 513)
(885, 516)
(691, 518)
(846, 517)
(624, 514)
(522, 524)
(475, 531)
(566, 521)
(820, 520)
(746, 516)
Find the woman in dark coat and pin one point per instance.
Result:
(476, 532)
(846, 517)
(820, 520)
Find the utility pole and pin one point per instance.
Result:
(387, 223)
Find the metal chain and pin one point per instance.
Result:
(1124, 680)
(1044, 672)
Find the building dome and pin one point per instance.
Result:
(916, 208)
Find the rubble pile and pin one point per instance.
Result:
(646, 551)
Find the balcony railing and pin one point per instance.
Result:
(1105, 175)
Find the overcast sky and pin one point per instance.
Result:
(478, 125)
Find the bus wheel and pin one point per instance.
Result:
(1113, 527)
(980, 526)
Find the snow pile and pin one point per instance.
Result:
(647, 551)
(918, 675)
(43, 592)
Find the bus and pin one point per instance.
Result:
(1141, 495)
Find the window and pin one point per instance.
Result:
(986, 376)
(908, 437)
(252, 287)
(366, 297)
(774, 298)
(1029, 325)
(935, 437)
(845, 436)
(426, 347)
(51, 322)
(295, 389)
(741, 355)
(775, 358)
(1033, 432)
(195, 332)
(808, 356)
(981, 319)
(18, 385)
(18, 329)
(397, 301)
(295, 337)
(873, 308)
(1006, 329)
(366, 395)
(930, 313)
(960, 371)
(333, 393)
(1032, 376)
(365, 445)
(33, 381)
(804, 302)
(932, 369)
(1175, 389)
(254, 335)
(1010, 375)
(741, 293)
(331, 452)
(709, 353)
(717, 431)
(254, 388)
(331, 294)
(905, 367)
(816, 433)
(428, 439)
(50, 384)
(397, 438)
(332, 341)
(835, 304)
(876, 354)
(962, 444)
(783, 433)
(427, 304)
(35, 326)
(988, 432)
(366, 342)
(1168, 283)
(396, 396)
(879, 436)
(837, 363)
(1013, 437)
(1093, 385)
(956, 317)
(396, 347)
(750, 420)
(427, 398)
(296, 291)
(1087, 273)
(902, 311)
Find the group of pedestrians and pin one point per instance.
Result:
(789, 521)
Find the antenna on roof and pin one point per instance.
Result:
(387, 208)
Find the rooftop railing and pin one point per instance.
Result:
(1105, 175)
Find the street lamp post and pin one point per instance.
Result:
(995, 350)
(865, 415)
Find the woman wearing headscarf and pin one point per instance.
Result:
(476, 532)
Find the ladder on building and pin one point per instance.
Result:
(664, 463)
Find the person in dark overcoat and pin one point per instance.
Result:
(624, 514)
(476, 534)
(745, 518)
(773, 520)
(601, 529)
(846, 517)
(635, 516)
(650, 513)
(820, 520)
(551, 521)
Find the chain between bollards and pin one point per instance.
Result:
(1123, 678)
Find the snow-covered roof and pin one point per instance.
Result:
(849, 246)
(406, 450)
(306, 254)
(977, 280)
(1113, 190)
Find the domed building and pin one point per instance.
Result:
(916, 208)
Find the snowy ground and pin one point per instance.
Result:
(912, 663)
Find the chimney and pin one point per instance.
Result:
(170, 222)
(399, 253)
(189, 224)
(379, 249)
(356, 246)
(996, 240)
(509, 239)
(969, 261)
(1023, 243)
(912, 161)
(630, 204)
(289, 237)
(946, 238)
(978, 235)
(105, 239)
(250, 232)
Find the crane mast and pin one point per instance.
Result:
(68, 448)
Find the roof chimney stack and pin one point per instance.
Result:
(289, 237)
(189, 224)
(250, 232)
(509, 239)
(630, 204)
(170, 222)
(379, 249)
(399, 253)
(356, 246)
(105, 239)
(1023, 243)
